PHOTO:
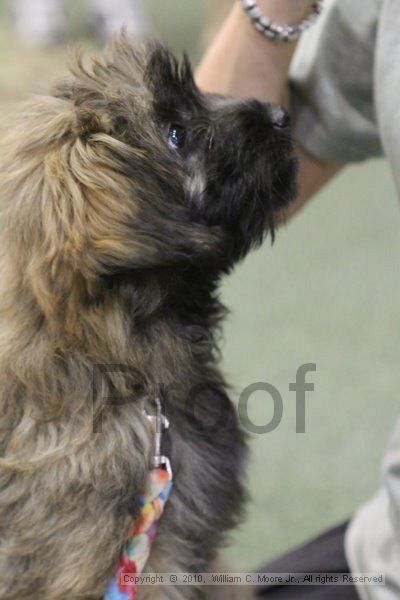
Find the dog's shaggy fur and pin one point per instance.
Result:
(126, 195)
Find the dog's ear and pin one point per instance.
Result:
(81, 207)
(172, 83)
(44, 206)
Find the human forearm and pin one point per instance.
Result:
(241, 63)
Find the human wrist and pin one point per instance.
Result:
(286, 11)
(241, 62)
(275, 30)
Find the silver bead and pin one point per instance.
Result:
(265, 22)
(269, 34)
(247, 4)
(255, 13)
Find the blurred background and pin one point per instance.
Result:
(327, 292)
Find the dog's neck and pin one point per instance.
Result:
(163, 334)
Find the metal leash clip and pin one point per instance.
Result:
(160, 424)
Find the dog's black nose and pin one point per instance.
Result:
(280, 117)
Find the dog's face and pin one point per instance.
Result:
(128, 167)
(234, 159)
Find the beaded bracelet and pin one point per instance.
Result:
(274, 31)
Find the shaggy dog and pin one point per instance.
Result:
(127, 194)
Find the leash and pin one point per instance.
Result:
(137, 549)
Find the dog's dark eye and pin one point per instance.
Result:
(176, 136)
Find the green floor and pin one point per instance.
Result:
(327, 292)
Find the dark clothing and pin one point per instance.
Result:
(325, 554)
